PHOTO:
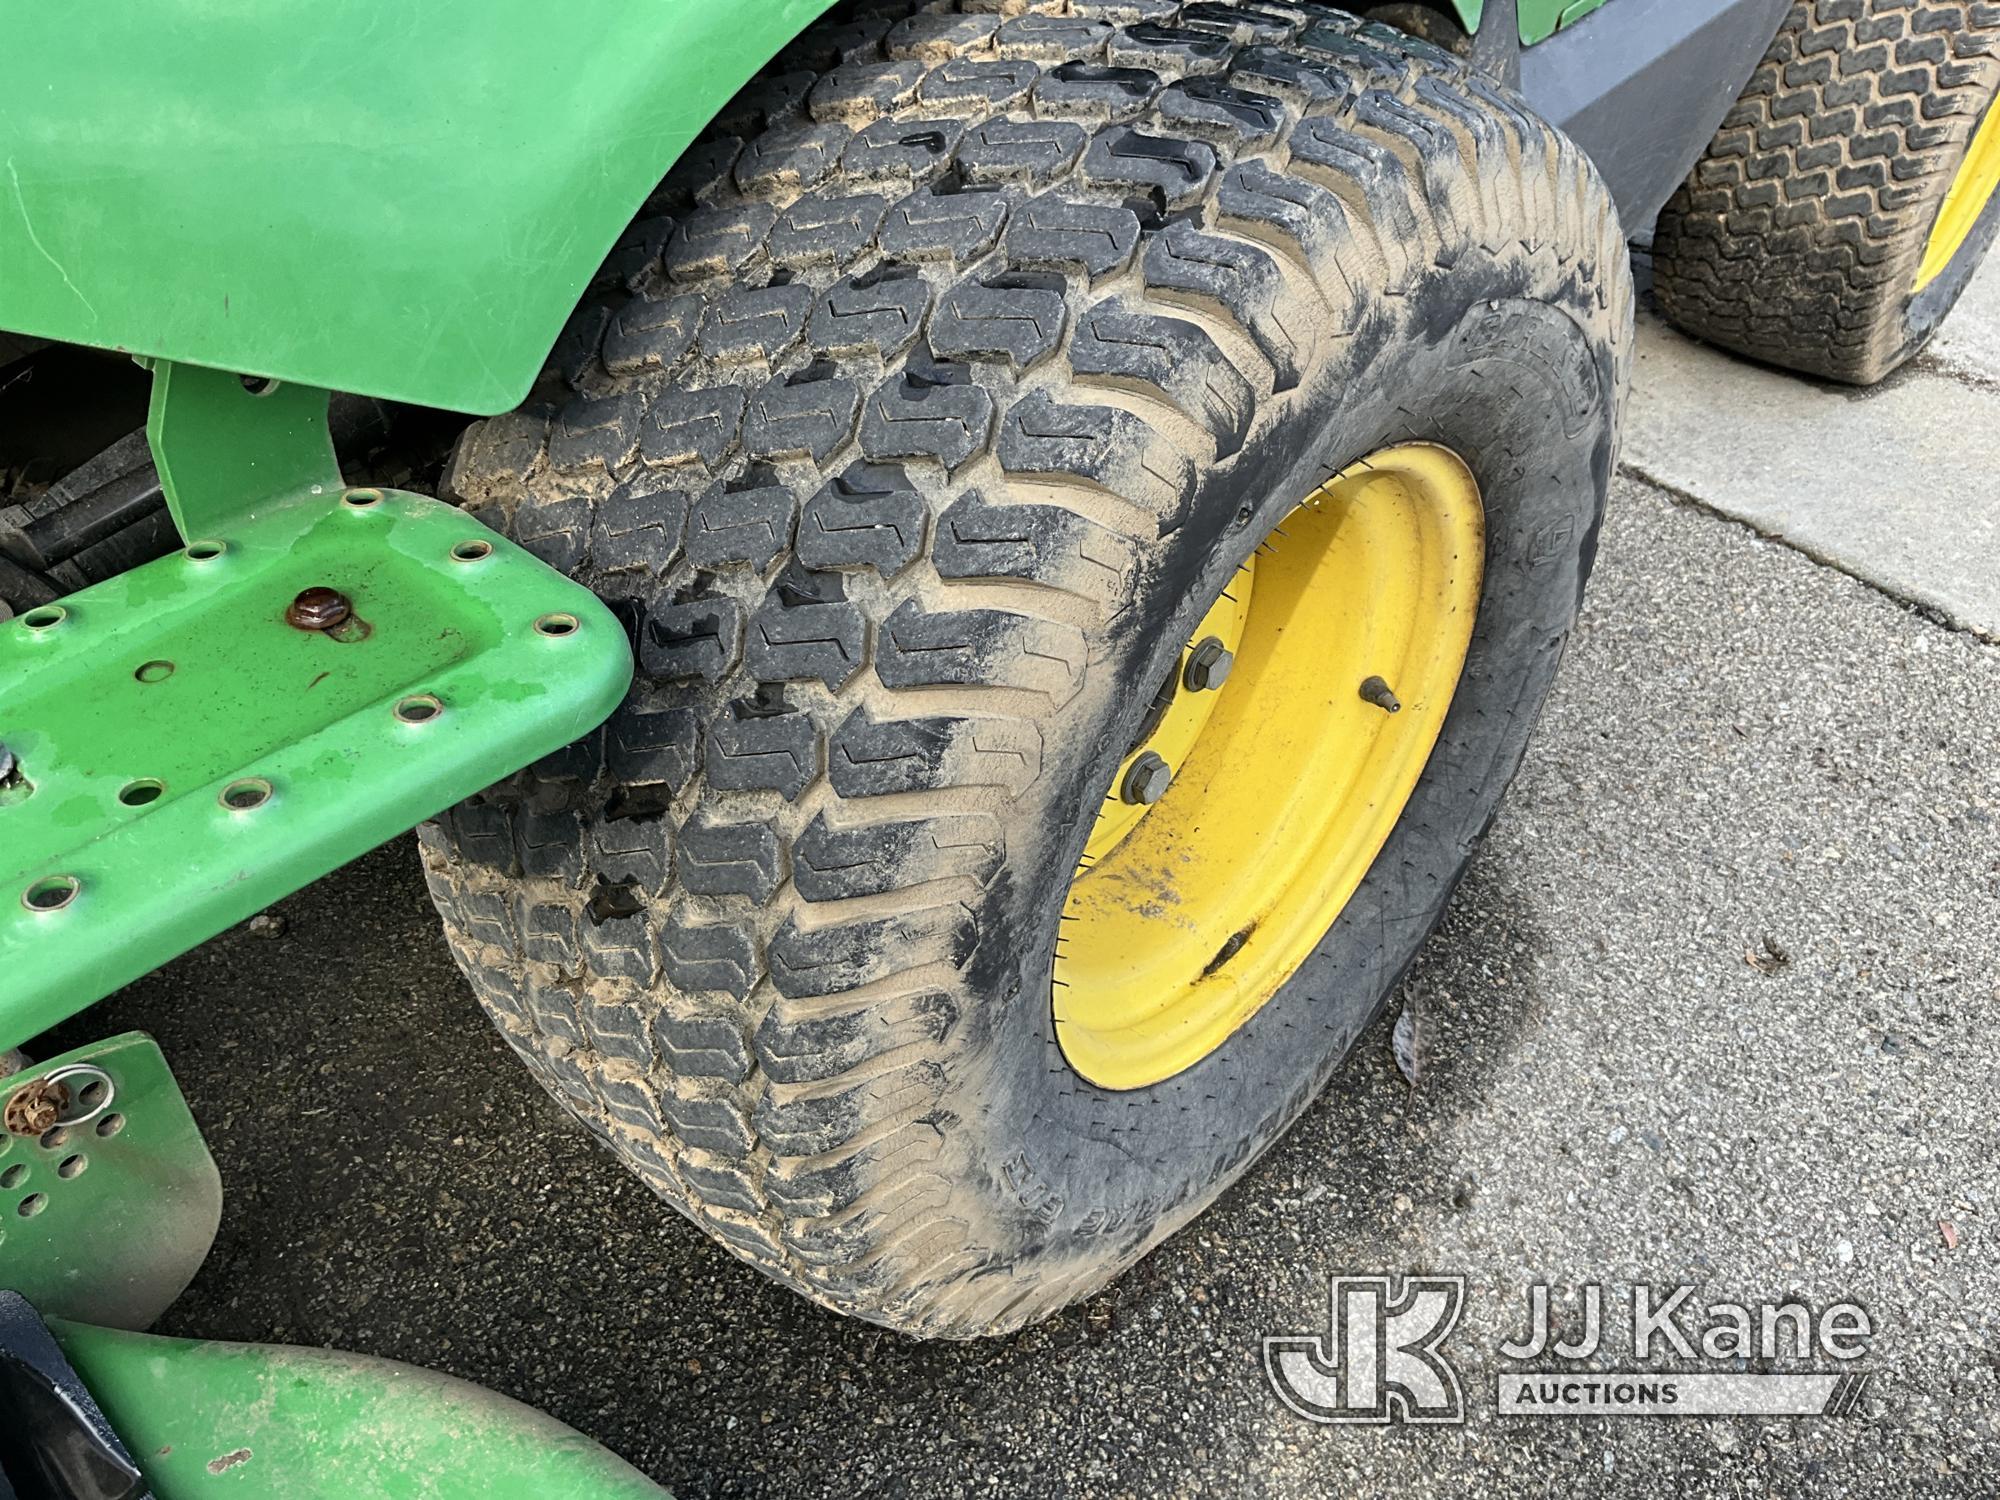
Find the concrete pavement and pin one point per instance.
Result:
(1895, 484)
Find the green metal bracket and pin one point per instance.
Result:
(214, 1419)
(108, 1196)
(178, 754)
(1539, 19)
(225, 444)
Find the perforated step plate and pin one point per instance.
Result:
(179, 754)
(108, 1196)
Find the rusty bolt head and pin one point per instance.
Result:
(34, 1107)
(318, 608)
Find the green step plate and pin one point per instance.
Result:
(107, 1212)
(182, 755)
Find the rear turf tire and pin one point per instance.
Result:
(952, 403)
(1799, 236)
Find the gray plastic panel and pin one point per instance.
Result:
(1642, 85)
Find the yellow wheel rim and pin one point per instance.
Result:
(1188, 912)
(1964, 201)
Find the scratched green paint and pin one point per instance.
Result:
(1538, 22)
(250, 696)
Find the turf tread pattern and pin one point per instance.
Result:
(1797, 236)
(854, 640)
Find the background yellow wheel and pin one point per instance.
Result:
(1965, 201)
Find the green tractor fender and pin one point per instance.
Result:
(399, 200)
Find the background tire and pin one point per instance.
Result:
(1799, 235)
(977, 354)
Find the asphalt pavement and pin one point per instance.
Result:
(1715, 1007)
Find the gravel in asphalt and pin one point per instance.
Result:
(1746, 756)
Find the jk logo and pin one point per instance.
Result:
(1379, 1359)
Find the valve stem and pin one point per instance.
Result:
(1376, 691)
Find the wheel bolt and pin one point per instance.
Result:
(1208, 665)
(1376, 691)
(1146, 779)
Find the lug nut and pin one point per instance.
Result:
(1376, 691)
(1208, 665)
(318, 608)
(1146, 779)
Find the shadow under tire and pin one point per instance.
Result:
(912, 512)
(1807, 234)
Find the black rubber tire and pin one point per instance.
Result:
(1797, 237)
(911, 511)
(109, 515)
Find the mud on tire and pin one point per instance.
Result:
(932, 399)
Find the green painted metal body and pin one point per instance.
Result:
(214, 1419)
(1542, 19)
(105, 1217)
(1538, 19)
(108, 1214)
(222, 448)
(250, 701)
(403, 200)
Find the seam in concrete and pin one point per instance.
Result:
(1922, 608)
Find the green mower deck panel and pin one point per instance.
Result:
(106, 1212)
(182, 754)
(203, 1419)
